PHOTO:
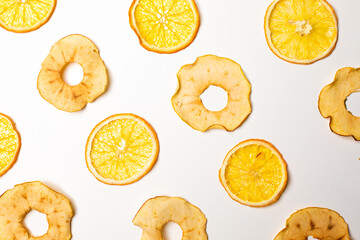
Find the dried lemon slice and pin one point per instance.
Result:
(164, 26)
(9, 143)
(301, 31)
(254, 173)
(156, 212)
(121, 149)
(320, 223)
(25, 15)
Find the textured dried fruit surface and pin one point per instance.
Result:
(17, 202)
(79, 49)
(164, 26)
(332, 102)
(156, 212)
(254, 173)
(301, 31)
(121, 149)
(25, 15)
(9, 143)
(320, 223)
(195, 78)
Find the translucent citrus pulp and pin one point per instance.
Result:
(164, 26)
(25, 15)
(9, 144)
(254, 173)
(121, 149)
(301, 31)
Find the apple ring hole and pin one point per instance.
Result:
(214, 98)
(312, 238)
(72, 74)
(36, 223)
(353, 103)
(171, 231)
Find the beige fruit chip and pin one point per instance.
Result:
(52, 87)
(19, 201)
(332, 102)
(195, 78)
(320, 223)
(156, 212)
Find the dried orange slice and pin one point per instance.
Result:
(121, 149)
(9, 143)
(25, 15)
(254, 173)
(164, 26)
(301, 31)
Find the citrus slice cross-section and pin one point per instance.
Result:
(9, 144)
(254, 173)
(301, 31)
(121, 149)
(25, 15)
(164, 26)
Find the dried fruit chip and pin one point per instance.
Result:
(195, 78)
(19, 201)
(25, 15)
(332, 102)
(79, 49)
(9, 144)
(320, 223)
(254, 173)
(156, 212)
(164, 26)
(121, 149)
(301, 31)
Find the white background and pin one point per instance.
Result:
(323, 167)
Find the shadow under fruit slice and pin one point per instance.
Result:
(254, 173)
(194, 79)
(25, 15)
(301, 31)
(16, 203)
(121, 149)
(51, 86)
(164, 26)
(9, 144)
(156, 212)
(332, 102)
(320, 223)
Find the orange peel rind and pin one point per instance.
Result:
(332, 102)
(320, 223)
(51, 86)
(19, 201)
(10, 143)
(195, 78)
(156, 212)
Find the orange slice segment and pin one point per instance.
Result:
(25, 15)
(254, 173)
(9, 143)
(301, 31)
(164, 26)
(121, 149)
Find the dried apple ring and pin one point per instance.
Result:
(332, 102)
(320, 223)
(79, 49)
(158, 211)
(19, 201)
(195, 78)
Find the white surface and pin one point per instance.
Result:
(323, 167)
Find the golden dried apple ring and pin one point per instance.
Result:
(320, 223)
(195, 78)
(158, 211)
(332, 102)
(79, 49)
(19, 201)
